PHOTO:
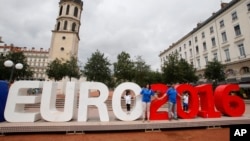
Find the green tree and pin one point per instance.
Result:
(56, 70)
(97, 68)
(170, 69)
(187, 72)
(155, 77)
(71, 68)
(214, 71)
(16, 57)
(123, 68)
(141, 71)
(177, 70)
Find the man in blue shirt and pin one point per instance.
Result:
(172, 108)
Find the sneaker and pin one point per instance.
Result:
(176, 118)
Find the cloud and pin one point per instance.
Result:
(139, 27)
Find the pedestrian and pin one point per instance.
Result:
(127, 98)
(185, 101)
(146, 93)
(172, 94)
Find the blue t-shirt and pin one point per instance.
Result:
(171, 93)
(146, 94)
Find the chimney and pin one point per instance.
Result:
(1, 39)
(223, 4)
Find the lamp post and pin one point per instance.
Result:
(9, 63)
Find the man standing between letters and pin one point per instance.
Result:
(172, 99)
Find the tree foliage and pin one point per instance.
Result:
(177, 70)
(16, 57)
(55, 70)
(215, 71)
(58, 69)
(123, 68)
(97, 68)
(141, 71)
(72, 69)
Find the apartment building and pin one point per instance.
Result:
(224, 36)
(37, 59)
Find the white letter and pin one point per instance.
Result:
(237, 132)
(136, 111)
(48, 104)
(243, 131)
(17, 98)
(99, 102)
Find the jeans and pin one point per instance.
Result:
(172, 110)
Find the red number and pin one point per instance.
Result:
(207, 107)
(156, 104)
(230, 105)
(193, 103)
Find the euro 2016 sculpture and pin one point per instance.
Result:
(202, 102)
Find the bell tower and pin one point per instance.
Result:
(65, 35)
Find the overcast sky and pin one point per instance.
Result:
(139, 27)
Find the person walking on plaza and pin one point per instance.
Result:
(146, 93)
(127, 98)
(172, 94)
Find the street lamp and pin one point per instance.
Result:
(9, 63)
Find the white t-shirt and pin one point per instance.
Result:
(185, 99)
(127, 99)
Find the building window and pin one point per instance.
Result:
(190, 43)
(206, 60)
(62, 48)
(74, 27)
(67, 10)
(234, 16)
(65, 25)
(241, 50)
(248, 6)
(222, 23)
(191, 54)
(179, 49)
(197, 49)
(213, 42)
(224, 37)
(63, 37)
(211, 29)
(192, 63)
(195, 39)
(198, 63)
(204, 46)
(58, 26)
(237, 30)
(215, 56)
(203, 35)
(185, 54)
(245, 70)
(60, 13)
(75, 11)
(184, 46)
(227, 55)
